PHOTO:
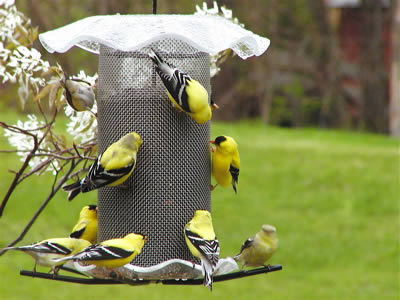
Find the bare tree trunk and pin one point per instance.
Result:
(373, 84)
(395, 77)
(327, 67)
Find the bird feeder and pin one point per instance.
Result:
(172, 175)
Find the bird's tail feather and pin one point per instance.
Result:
(21, 248)
(155, 57)
(62, 258)
(207, 270)
(73, 189)
(164, 69)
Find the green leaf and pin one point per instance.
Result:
(43, 92)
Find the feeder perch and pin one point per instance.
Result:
(172, 176)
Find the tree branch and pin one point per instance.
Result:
(20, 171)
(53, 191)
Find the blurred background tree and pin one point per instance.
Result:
(328, 64)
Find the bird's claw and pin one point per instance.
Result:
(268, 267)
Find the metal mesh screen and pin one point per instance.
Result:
(172, 175)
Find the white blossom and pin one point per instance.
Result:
(89, 79)
(10, 19)
(25, 143)
(4, 53)
(227, 13)
(214, 69)
(216, 11)
(21, 64)
(82, 125)
(7, 3)
(27, 61)
(207, 11)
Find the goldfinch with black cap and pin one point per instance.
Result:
(225, 161)
(202, 243)
(111, 168)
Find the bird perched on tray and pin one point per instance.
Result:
(112, 253)
(46, 251)
(185, 93)
(111, 168)
(86, 227)
(202, 243)
(79, 93)
(258, 249)
(225, 161)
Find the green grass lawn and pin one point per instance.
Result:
(333, 196)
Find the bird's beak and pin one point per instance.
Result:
(212, 142)
(145, 238)
(214, 106)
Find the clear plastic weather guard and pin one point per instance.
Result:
(172, 177)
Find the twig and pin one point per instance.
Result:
(76, 150)
(13, 151)
(78, 172)
(17, 129)
(54, 190)
(36, 144)
(19, 175)
(19, 172)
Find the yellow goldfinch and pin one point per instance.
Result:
(79, 93)
(258, 249)
(86, 228)
(112, 253)
(202, 243)
(226, 161)
(111, 168)
(46, 251)
(185, 93)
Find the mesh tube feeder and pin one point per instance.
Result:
(172, 176)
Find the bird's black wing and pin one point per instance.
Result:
(98, 177)
(78, 233)
(69, 97)
(246, 244)
(235, 176)
(49, 247)
(174, 80)
(101, 252)
(209, 249)
(179, 93)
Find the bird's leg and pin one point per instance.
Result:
(56, 269)
(34, 268)
(268, 267)
(212, 187)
